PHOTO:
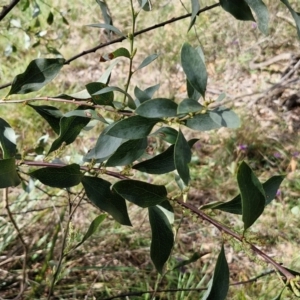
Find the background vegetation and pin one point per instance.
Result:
(115, 259)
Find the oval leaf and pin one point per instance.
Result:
(92, 229)
(7, 140)
(99, 192)
(192, 93)
(106, 145)
(294, 14)
(262, 14)
(148, 60)
(189, 106)
(238, 8)
(145, 5)
(182, 157)
(62, 177)
(38, 73)
(8, 174)
(121, 52)
(162, 240)
(108, 89)
(194, 68)
(167, 134)
(219, 284)
(252, 194)
(101, 99)
(141, 193)
(108, 27)
(195, 9)
(234, 206)
(159, 164)
(127, 153)
(202, 122)
(135, 127)
(50, 113)
(225, 117)
(69, 130)
(157, 108)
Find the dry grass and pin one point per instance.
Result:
(116, 259)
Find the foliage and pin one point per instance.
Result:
(126, 127)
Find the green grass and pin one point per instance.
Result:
(116, 259)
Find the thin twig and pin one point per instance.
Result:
(7, 8)
(137, 33)
(64, 242)
(59, 165)
(124, 295)
(225, 229)
(20, 237)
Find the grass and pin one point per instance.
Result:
(116, 259)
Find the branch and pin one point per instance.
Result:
(57, 165)
(85, 102)
(118, 40)
(7, 8)
(288, 275)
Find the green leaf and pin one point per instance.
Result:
(99, 192)
(194, 68)
(106, 145)
(252, 194)
(62, 177)
(192, 93)
(8, 174)
(219, 284)
(262, 14)
(195, 9)
(38, 73)
(121, 52)
(182, 157)
(234, 206)
(108, 27)
(84, 95)
(145, 5)
(186, 262)
(87, 113)
(221, 97)
(225, 117)
(148, 60)
(108, 89)
(50, 18)
(141, 193)
(238, 8)
(7, 140)
(127, 153)
(50, 113)
(294, 14)
(135, 127)
(157, 108)
(278, 297)
(202, 122)
(147, 94)
(162, 163)
(69, 130)
(92, 229)
(101, 99)
(167, 134)
(105, 12)
(162, 240)
(189, 106)
(271, 187)
(159, 164)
